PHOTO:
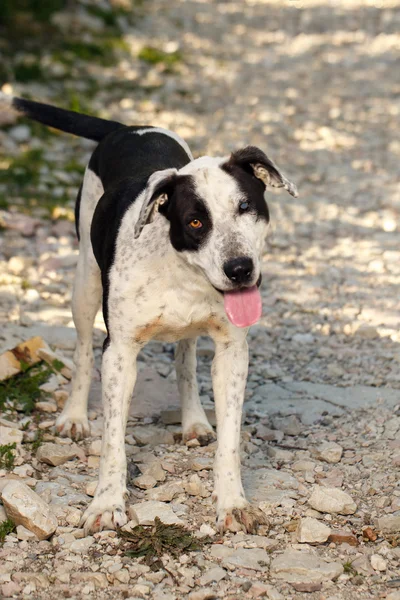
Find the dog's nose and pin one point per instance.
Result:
(239, 270)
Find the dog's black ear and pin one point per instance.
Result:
(156, 194)
(254, 160)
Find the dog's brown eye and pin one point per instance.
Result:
(243, 206)
(195, 224)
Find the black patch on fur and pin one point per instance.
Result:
(183, 206)
(240, 167)
(78, 210)
(124, 162)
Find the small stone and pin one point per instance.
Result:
(166, 492)
(307, 586)
(343, 537)
(332, 500)
(80, 546)
(201, 463)
(296, 567)
(20, 133)
(94, 448)
(378, 563)
(303, 466)
(393, 596)
(389, 524)
(145, 513)
(154, 469)
(154, 436)
(268, 435)
(330, 452)
(122, 576)
(25, 535)
(311, 531)
(93, 462)
(214, 574)
(99, 580)
(54, 454)
(48, 407)
(289, 425)
(73, 517)
(9, 435)
(62, 364)
(259, 590)
(90, 488)
(60, 396)
(10, 589)
(369, 534)
(145, 482)
(206, 594)
(38, 580)
(25, 507)
(195, 487)
(246, 558)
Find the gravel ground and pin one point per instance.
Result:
(317, 86)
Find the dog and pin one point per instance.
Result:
(171, 246)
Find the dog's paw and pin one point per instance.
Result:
(205, 434)
(103, 514)
(247, 518)
(73, 427)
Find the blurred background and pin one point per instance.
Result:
(314, 83)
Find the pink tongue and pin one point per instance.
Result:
(243, 307)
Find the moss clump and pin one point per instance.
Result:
(7, 456)
(154, 56)
(22, 390)
(6, 527)
(152, 541)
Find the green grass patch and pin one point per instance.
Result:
(6, 527)
(22, 390)
(7, 456)
(154, 56)
(38, 441)
(152, 541)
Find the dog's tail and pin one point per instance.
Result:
(69, 121)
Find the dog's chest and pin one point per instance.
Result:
(154, 295)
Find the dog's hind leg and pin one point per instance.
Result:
(195, 424)
(86, 299)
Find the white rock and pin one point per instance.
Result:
(195, 487)
(20, 133)
(90, 488)
(55, 454)
(214, 574)
(145, 482)
(24, 534)
(312, 531)
(332, 500)
(289, 425)
(25, 507)
(9, 435)
(378, 563)
(295, 567)
(95, 448)
(166, 492)
(82, 545)
(145, 513)
(152, 435)
(330, 452)
(389, 524)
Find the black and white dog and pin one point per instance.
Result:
(172, 246)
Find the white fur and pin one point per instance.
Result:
(158, 293)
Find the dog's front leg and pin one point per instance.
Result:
(195, 424)
(229, 372)
(107, 510)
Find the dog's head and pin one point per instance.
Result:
(218, 213)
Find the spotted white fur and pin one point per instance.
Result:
(157, 290)
(158, 293)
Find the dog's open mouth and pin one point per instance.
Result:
(243, 307)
